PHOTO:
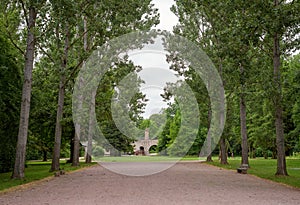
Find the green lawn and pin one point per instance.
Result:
(134, 158)
(35, 170)
(266, 168)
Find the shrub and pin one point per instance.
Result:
(98, 151)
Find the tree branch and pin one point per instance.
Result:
(76, 40)
(76, 68)
(25, 13)
(13, 42)
(44, 52)
(73, 72)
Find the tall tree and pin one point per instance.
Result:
(104, 21)
(30, 10)
(281, 24)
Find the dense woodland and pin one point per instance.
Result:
(44, 44)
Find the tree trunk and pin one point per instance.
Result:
(45, 156)
(77, 136)
(76, 147)
(71, 149)
(60, 107)
(91, 128)
(19, 166)
(223, 151)
(281, 163)
(58, 126)
(243, 119)
(209, 157)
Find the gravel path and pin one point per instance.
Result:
(184, 183)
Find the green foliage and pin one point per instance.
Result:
(239, 34)
(10, 92)
(291, 87)
(261, 129)
(117, 141)
(164, 138)
(171, 143)
(97, 151)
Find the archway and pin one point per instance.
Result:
(141, 151)
(153, 149)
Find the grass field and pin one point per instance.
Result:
(145, 159)
(35, 170)
(266, 168)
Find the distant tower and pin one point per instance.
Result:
(147, 134)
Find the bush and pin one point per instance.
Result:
(7, 157)
(98, 151)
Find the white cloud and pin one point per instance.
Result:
(167, 18)
(156, 74)
(152, 58)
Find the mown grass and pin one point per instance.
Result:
(35, 170)
(134, 158)
(266, 169)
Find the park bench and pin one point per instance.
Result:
(243, 169)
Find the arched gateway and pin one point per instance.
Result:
(143, 146)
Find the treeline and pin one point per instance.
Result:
(251, 44)
(45, 44)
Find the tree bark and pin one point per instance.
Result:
(19, 166)
(88, 157)
(223, 151)
(91, 128)
(209, 157)
(76, 147)
(71, 149)
(281, 162)
(45, 156)
(58, 126)
(60, 107)
(243, 119)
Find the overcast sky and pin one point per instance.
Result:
(167, 18)
(156, 72)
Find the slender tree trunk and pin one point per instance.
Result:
(45, 156)
(58, 126)
(243, 119)
(78, 128)
(88, 158)
(60, 107)
(209, 157)
(223, 151)
(245, 159)
(19, 166)
(76, 147)
(91, 128)
(71, 148)
(281, 162)
(76, 139)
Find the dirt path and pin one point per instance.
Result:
(185, 183)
